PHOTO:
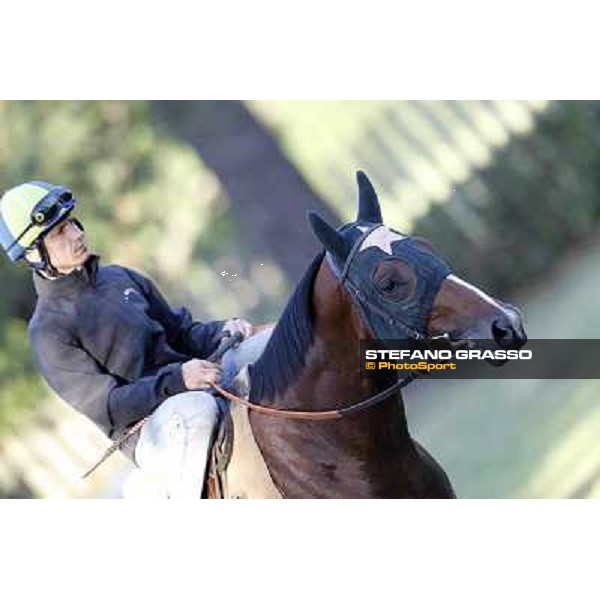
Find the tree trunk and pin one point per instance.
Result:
(268, 194)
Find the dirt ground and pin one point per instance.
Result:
(527, 438)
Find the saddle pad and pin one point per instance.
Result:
(247, 474)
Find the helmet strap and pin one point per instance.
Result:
(45, 266)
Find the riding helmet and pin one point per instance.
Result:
(28, 212)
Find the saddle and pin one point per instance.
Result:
(236, 468)
(215, 484)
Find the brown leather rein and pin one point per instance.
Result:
(299, 415)
(317, 415)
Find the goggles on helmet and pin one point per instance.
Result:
(51, 209)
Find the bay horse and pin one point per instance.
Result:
(369, 282)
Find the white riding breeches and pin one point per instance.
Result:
(172, 450)
(173, 446)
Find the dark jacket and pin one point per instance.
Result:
(108, 343)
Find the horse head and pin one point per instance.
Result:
(404, 289)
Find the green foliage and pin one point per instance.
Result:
(19, 391)
(147, 200)
(137, 190)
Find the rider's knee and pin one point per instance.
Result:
(179, 419)
(194, 407)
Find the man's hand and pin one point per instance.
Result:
(239, 325)
(199, 374)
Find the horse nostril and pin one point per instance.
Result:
(502, 332)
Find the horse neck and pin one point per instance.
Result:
(332, 363)
(366, 454)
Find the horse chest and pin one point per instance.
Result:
(323, 461)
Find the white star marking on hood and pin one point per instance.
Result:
(381, 238)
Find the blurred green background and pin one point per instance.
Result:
(209, 198)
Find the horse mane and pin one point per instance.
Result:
(284, 356)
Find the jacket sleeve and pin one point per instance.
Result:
(111, 402)
(183, 333)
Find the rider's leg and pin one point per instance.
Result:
(174, 443)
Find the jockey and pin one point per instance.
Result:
(108, 343)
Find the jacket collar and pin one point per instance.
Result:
(69, 285)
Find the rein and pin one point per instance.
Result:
(298, 415)
(226, 343)
(329, 415)
(323, 415)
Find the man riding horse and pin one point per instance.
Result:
(109, 344)
(324, 430)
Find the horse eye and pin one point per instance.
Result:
(387, 285)
(390, 286)
(393, 280)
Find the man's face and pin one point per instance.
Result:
(66, 246)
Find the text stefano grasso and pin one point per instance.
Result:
(497, 354)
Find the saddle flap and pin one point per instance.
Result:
(237, 468)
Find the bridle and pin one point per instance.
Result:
(361, 299)
(229, 341)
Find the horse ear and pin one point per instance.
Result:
(328, 236)
(368, 204)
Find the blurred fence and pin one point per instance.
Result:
(501, 187)
(508, 224)
(524, 438)
(48, 456)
